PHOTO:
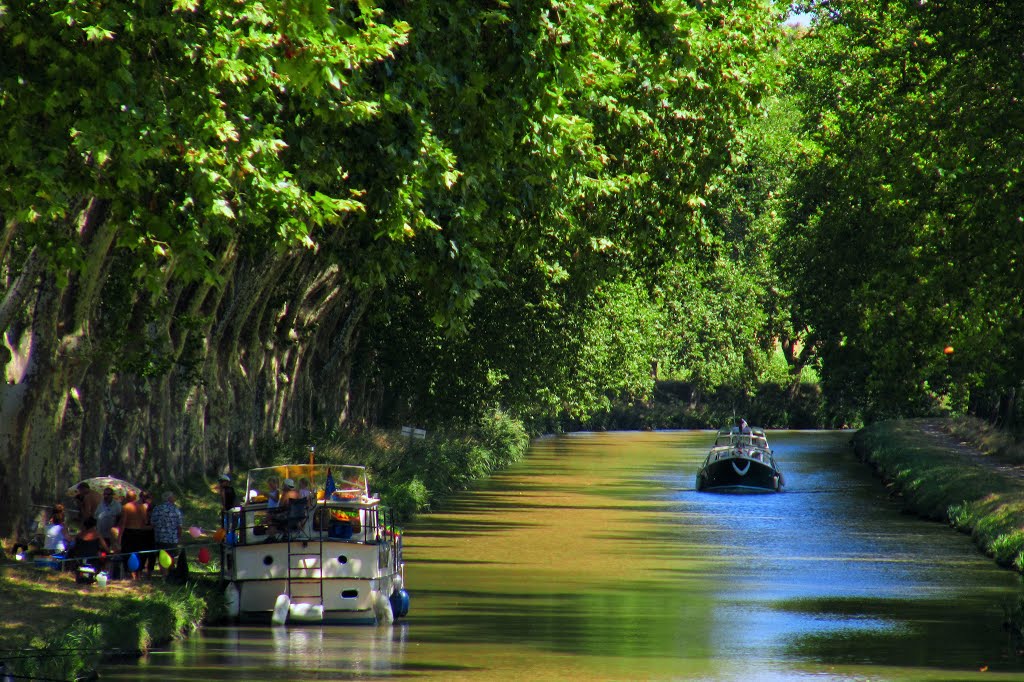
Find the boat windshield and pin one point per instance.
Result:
(339, 481)
(732, 438)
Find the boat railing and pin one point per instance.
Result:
(358, 520)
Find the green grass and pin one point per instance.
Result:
(938, 481)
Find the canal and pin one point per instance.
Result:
(594, 559)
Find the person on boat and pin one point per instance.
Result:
(108, 518)
(289, 496)
(744, 427)
(304, 491)
(167, 521)
(58, 539)
(136, 538)
(90, 546)
(88, 500)
(228, 500)
(274, 492)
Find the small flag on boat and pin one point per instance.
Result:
(329, 486)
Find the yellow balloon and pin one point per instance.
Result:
(164, 558)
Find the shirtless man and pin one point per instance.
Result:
(136, 536)
(88, 501)
(289, 493)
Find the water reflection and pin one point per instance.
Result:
(253, 653)
(596, 560)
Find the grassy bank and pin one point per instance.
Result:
(55, 628)
(956, 471)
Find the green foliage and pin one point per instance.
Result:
(407, 498)
(181, 122)
(585, 138)
(906, 237)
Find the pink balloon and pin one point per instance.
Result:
(195, 531)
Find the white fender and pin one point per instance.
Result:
(281, 607)
(232, 600)
(309, 613)
(382, 608)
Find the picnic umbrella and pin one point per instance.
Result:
(98, 483)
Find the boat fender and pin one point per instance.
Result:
(281, 608)
(232, 600)
(382, 608)
(310, 613)
(400, 603)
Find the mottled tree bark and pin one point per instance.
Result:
(104, 377)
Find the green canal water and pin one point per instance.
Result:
(594, 559)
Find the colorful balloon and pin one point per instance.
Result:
(203, 556)
(195, 531)
(164, 558)
(948, 350)
(219, 535)
(133, 562)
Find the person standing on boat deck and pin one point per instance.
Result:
(304, 491)
(108, 519)
(744, 427)
(167, 520)
(228, 499)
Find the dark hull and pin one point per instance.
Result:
(739, 474)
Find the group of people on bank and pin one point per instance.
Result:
(107, 526)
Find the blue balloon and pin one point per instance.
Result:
(133, 562)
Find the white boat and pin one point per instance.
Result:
(740, 461)
(329, 558)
